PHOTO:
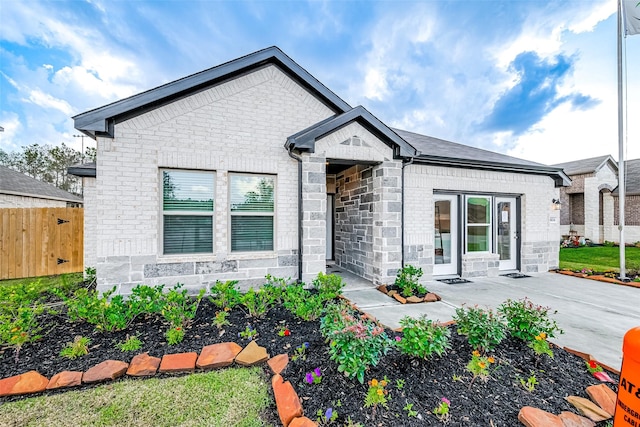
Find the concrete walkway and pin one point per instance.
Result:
(594, 315)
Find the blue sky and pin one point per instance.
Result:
(531, 78)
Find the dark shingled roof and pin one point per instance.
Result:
(446, 153)
(99, 121)
(19, 184)
(632, 177)
(579, 167)
(83, 169)
(429, 146)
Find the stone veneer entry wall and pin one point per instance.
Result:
(368, 225)
(354, 220)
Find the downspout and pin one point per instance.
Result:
(402, 230)
(299, 159)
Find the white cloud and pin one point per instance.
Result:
(375, 84)
(47, 101)
(11, 124)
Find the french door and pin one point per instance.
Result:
(507, 232)
(445, 235)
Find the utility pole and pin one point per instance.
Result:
(82, 137)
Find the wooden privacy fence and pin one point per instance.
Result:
(40, 242)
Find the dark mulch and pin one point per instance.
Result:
(495, 402)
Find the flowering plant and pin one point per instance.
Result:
(300, 352)
(220, 320)
(329, 416)
(354, 343)
(249, 333)
(593, 366)
(526, 320)
(284, 331)
(540, 345)
(442, 410)
(174, 335)
(479, 366)
(314, 377)
(597, 371)
(376, 394)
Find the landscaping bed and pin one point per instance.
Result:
(415, 386)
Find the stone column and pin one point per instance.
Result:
(387, 221)
(611, 232)
(591, 209)
(314, 211)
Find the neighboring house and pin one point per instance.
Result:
(254, 167)
(18, 190)
(590, 205)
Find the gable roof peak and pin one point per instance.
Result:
(99, 121)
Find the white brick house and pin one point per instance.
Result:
(254, 167)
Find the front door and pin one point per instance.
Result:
(507, 232)
(445, 230)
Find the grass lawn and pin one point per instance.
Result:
(64, 282)
(229, 397)
(598, 258)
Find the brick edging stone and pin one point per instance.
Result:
(288, 404)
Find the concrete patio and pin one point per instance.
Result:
(594, 315)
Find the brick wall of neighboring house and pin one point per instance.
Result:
(576, 206)
(13, 201)
(238, 126)
(565, 207)
(577, 183)
(540, 224)
(632, 218)
(631, 210)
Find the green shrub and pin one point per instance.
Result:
(422, 338)
(225, 295)
(146, 300)
(20, 307)
(79, 347)
(484, 329)
(355, 344)
(174, 335)
(132, 343)
(526, 320)
(257, 303)
(303, 303)
(329, 286)
(20, 326)
(276, 286)
(179, 308)
(407, 281)
(105, 313)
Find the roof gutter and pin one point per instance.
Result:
(560, 178)
(404, 164)
(289, 148)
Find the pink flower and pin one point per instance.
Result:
(317, 372)
(398, 339)
(445, 400)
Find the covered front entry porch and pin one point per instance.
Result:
(352, 210)
(351, 195)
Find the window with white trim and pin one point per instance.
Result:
(187, 211)
(478, 223)
(251, 200)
